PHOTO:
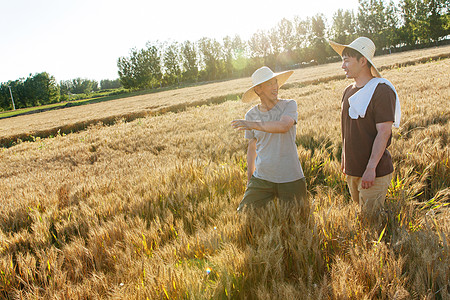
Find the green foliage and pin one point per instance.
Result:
(319, 44)
(234, 61)
(78, 86)
(107, 84)
(37, 89)
(375, 20)
(71, 89)
(141, 69)
(343, 28)
(171, 60)
(189, 59)
(211, 51)
(424, 21)
(5, 98)
(259, 44)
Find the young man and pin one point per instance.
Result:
(273, 167)
(369, 108)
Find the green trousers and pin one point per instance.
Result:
(259, 192)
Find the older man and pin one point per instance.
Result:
(273, 167)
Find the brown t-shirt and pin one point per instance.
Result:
(359, 134)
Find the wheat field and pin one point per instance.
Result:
(146, 209)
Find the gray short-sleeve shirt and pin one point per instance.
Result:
(277, 158)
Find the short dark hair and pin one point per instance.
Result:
(350, 52)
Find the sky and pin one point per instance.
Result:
(84, 38)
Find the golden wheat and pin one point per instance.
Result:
(147, 209)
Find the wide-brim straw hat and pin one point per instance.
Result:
(262, 75)
(363, 45)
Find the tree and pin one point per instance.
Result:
(240, 58)
(392, 19)
(107, 84)
(126, 72)
(211, 51)
(171, 61)
(436, 15)
(371, 19)
(83, 86)
(377, 21)
(228, 50)
(141, 69)
(414, 21)
(148, 65)
(37, 89)
(65, 87)
(189, 60)
(234, 56)
(317, 38)
(287, 42)
(5, 97)
(260, 48)
(302, 31)
(287, 36)
(343, 28)
(275, 42)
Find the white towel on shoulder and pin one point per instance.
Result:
(361, 99)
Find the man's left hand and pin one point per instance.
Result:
(368, 178)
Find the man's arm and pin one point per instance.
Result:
(251, 156)
(282, 126)
(384, 131)
(343, 157)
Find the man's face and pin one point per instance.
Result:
(268, 89)
(352, 66)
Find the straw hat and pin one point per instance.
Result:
(262, 75)
(363, 45)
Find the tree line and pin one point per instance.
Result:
(42, 88)
(290, 44)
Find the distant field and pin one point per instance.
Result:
(146, 209)
(73, 119)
